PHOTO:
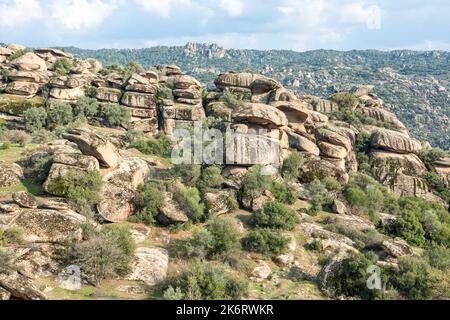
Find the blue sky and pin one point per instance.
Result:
(254, 24)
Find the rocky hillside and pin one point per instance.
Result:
(414, 85)
(91, 205)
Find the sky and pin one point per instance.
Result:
(299, 25)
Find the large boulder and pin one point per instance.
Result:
(139, 100)
(238, 80)
(70, 94)
(186, 82)
(171, 212)
(92, 144)
(303, 144)
(25, 199)
(28, 76)
(119, 189)
(332, 151)
(150, 266)
(394, 141)
(384, 116)
(262, 114)
(143, 84)
(319, 169)
(396, 248)
(296, 112)
(263, 84)
(10, 174)
(335, 136)
(53, 52)
(29, 62)
(20, 287)
(112, 95)
(218, 203)
(22, 88)
(41, 225)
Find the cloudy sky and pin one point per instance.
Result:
(256, 24)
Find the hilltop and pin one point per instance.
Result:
(414, 85)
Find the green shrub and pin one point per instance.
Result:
(207, 282)
(408, 227)
(345, 100)
(10, 236)
(291, 166)
(318, 196)
(351, 278)
(275, 215)
(210, 179)
(332, 184)
(438, 256)
(18, 54)
(283, 193)
(189, 199)
(230, 100)
(80, 189)
(92, 92)
(86, 107)
(35, 119)
(62, 66)
(160, 145)
(189, 173)
(102, 254)
(255, 183)
(116, 115)
(60, 114)
(266, 241)
(148, 202)
(133, 67)
(428, 156)
(218, 239)
(413, 278)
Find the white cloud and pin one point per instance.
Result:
(18, 12)
(80, 14)
(234, 8)
(161, 7)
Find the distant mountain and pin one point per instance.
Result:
(415, 85)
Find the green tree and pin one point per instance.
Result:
(62, 66)
(291, 166)
(60, 114)
(266, 241)
(116, 115)
(275, 215)
(86, 107)
(35, 119)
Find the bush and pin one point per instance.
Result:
(431, 155)
(275, 215)
(160, 145)
(283, 193)
(318, 196)
(345, 100)
(60, 114)
(351, 278)
(18, 54)
(408, 227)
(17, 137)
(207, 282)
(210, 179)
(189, 173)
(266, 241)
(148, 202)
(10, 236)
(116, 115)
(80, 189)
(438, 256)
(218, 239)
(332, 184)
(362, 239)
(62, 66)
(413, 278)
(86, 107)
(35, 119)
(291, 166)
(255, 183)
(103, 254)
(189, 199)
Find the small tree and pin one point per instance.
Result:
(35, 119)
(266, 241)
(62, 66)
(86, 107)
(275, 215)
(148, 202)
(413, 278)
(291, 166)
(116, 115)
(61, 114)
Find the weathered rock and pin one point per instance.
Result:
(339, 207)
(22, 88)
(264, 84)
(394, 141)
(327, 272)
(383, 115)
(185, 82)
(139, 100)
(119, 189)
(77, 160)
(332, 151)
(239, 80)
(54, 52)
(319, 169)
(285, 260)
(170, 212)
(301, 143)
(29, 62)
(317, 232)
(321, 105)
(386, 220)
(361, 90)
(262, 271)
(218, 203)
(150, 266)
(112, 95)
(67, 94)
(48, 225)
(296, 111)
(10, 174)
(260, 114)
(395, 248)
(4, 294)
(188, 112)
(95, 145)
(20, 287)
(219, 110)
(386, 163)
(28, 76)
(25, 199)
(234, 176)
(330, 135)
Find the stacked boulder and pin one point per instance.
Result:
(186, 106)
(140, 98)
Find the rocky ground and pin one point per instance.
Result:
(50, 217)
